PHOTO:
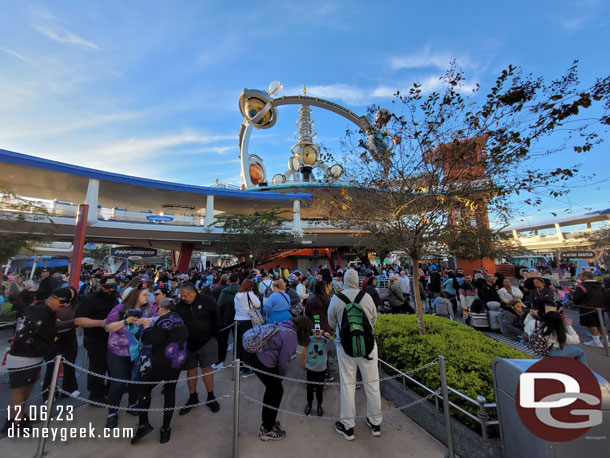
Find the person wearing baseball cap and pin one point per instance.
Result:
(91, 315)
(167, 335)
(34, 343)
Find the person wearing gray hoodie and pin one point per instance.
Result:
(348, 366)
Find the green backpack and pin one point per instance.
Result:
(356, 333)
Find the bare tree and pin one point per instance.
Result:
(441, 163)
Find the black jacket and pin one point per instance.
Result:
(589, 293)
(168, 338)
(96, 306)
(488, 293)
(542, 298)
(35, 337)
(201, 319)
(372, 291)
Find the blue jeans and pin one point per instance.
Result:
(570, 352)
(120, 367)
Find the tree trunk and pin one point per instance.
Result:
(419, 306)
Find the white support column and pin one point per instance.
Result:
(589, 229)
(515, 234)
(559, 232)
(8, 266)
(296, 218)
(93, 191)
(209, 212)
(33, 268)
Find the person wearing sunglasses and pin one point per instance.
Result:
(91, 315)
(67, 345)
(159, 294)
(34, 343)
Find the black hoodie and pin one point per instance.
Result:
(589, 293)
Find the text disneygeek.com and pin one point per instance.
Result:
(63, 433)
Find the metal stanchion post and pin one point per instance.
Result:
(600, 315)
(236, 394)
(51, 398)
(483, 418)
(234, 340)
(446, 406)
(234, 347)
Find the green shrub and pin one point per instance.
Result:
(5, 312)
(468, 354)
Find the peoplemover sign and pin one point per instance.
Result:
(129, 251)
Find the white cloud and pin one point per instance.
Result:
(58, 126)
(64, 36)
(426, 58)
(49, 26)
(338, 91)
(15, 54)
(435, 83)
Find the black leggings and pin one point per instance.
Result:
(274, 391)
(169, 395)
(313, 376)
(67, 345)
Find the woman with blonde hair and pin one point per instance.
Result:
(277, 307)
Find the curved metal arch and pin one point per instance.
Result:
(246, 127)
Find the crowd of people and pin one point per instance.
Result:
(151, 324)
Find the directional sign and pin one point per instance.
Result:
(128, 251)
(585, 254)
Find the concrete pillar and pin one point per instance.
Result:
(209, 212)
(559, 232)
(93, 191)
(589, 229)
(296, 218)
(515, 234)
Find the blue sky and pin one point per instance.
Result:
(151, 88)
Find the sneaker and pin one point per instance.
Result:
(229, 348)
(329, 377)
(75, 393)
(294, 355)
(248, 373)
(218, 367)
(347, 433)
(112, 421)
(320, 411)
(193, 399)
(375, 429)
(594, 343)
(307, 409)
(142, 431)
(165, 434)
(358, 385)
(275, 434)
(213, 405)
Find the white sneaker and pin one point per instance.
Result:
(220, 366)
(594, 343)
(76, 393)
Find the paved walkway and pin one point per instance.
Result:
(202, 433)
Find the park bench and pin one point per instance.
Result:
(518, 345)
